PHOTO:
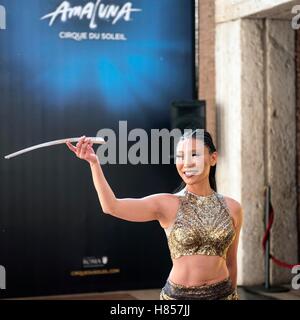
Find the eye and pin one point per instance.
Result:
(196, 154)
(179, 156)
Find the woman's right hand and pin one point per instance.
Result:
(84, 150)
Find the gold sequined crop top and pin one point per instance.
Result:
(203, 225)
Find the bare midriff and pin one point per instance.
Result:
(197, 270)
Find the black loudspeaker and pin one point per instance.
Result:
(189, 114)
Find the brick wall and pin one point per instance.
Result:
(207, 61)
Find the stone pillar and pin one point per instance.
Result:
(298, 129)
(252, 61)
(240, 110)
(207, 62)
(281, 134)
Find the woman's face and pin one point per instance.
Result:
(193, 160)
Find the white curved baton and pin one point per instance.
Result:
(96, 140)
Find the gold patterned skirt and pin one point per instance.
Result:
(222, 290)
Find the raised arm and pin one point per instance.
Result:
(140, 210)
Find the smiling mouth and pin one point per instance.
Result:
(190, 173)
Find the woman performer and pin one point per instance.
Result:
(202, 226)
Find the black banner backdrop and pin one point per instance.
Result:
(69, 68)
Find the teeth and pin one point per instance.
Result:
(190, 173)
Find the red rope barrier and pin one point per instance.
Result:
(278, 262)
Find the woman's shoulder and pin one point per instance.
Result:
(172, 196)
(235, 208)
(167, 197)
(232, 202)
(169, 204)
